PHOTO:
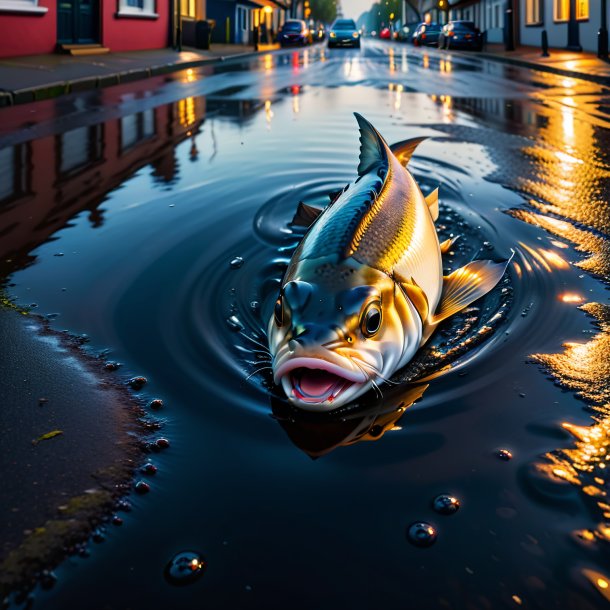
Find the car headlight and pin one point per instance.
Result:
(333, 35)
(355, 34)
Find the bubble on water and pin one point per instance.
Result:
(421, 534)
(234, 323)
(237, 262)
(47, 579)
(149, 468)
(446, 504)
(137, 383)
(185, 568)
(504, 454)
(162, 443)
(142, 487)
(155, 404)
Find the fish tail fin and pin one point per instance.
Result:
(448, 243)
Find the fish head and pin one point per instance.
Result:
(336, 333)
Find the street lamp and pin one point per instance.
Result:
(602, 35)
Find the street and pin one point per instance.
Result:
(122, 213)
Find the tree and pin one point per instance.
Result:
(323, 10)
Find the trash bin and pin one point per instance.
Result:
(203, 33)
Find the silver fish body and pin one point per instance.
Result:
(364, 288)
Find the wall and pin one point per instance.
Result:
(130, 34)
(29, 34)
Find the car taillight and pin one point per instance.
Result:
(423, 35)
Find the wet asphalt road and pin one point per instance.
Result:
(151, 188)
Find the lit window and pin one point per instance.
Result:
(137, 8)
(582, 9)
(533, 13)
(187, 8)
(562, 10)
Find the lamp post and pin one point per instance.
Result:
(573, 30)
(509, 26)
(602, 35)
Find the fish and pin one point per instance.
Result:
(364, 289)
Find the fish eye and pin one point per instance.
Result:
(370, 322)
(278, 311)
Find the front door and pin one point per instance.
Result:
(77, 21)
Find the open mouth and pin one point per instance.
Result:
(317, 386)
(314, 381)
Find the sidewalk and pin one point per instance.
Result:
(586, 66)
(38, 77)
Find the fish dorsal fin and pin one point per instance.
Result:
(418, 297)
(432, 203)
(372, 147)
(404, 150)
(446, 245)
(466, 285)
(305, 215)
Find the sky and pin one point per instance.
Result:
(354, 8)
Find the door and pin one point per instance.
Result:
(77, 21)
(242, 34)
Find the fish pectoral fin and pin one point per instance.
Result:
(418, 297)
(432, 203)
(305, 215)
(466, 285)
(404, 150)
(372, 147)
(448, 243)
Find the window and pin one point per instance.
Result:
(497, 16)
(187, 8)
(14, 172)
(562, 10)
(22, 6)
(533, 12)
(582, 9)
(137, 127)
(136, 8)
(78, 149)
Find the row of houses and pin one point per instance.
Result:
(569, 24)
(33, 27)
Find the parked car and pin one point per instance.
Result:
(460, 34)
(294, 32)
(385, 34)
(344, 33)
(426, 34)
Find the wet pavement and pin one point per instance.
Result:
(122, 210)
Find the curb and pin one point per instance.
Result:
(595, 78)
(52, 90)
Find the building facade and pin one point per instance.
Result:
(32, 27)
(569, 24)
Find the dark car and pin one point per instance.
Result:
(460, 35)
(344, 33)
(426, 34)
(294, 32)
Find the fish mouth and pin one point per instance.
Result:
(312, 382)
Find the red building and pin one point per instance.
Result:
(32, 27)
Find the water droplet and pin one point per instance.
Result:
(58, 254)
(116, 520)
(98, 536)
(185, 568)
(421, 534)
(137, 383)
(123, 505)
(156, 404)
(112, 366)
(237, 262)
(255, 305)
(142, 487)
(504, 454)
(446, 504)
(235, 324)
(162, 443)
(149, 469)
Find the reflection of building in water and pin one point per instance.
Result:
(46, 182)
